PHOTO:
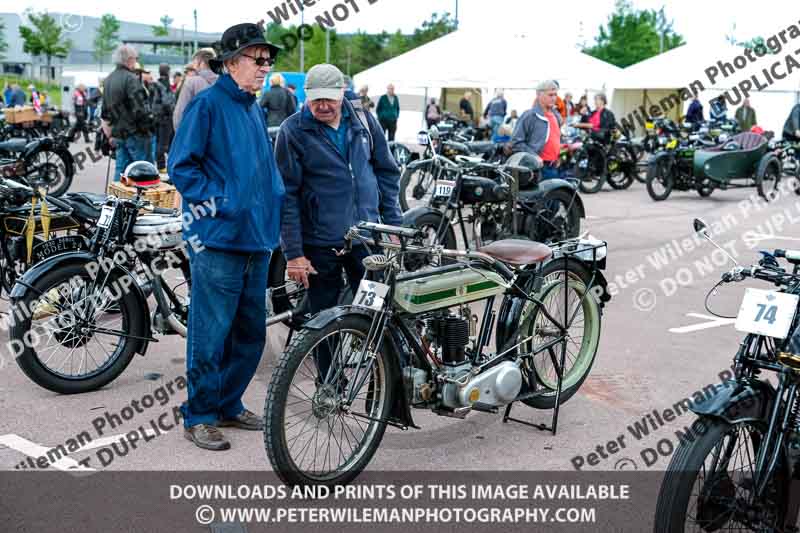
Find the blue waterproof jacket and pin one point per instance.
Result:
(222, 156)
(327, 193)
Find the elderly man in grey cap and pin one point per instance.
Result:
(536, 142)
(337, 170)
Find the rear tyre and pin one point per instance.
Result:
(416, 186)
(621, 167)
(583, 337)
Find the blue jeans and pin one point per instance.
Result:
(134, 148)
(495, 121)
(549, 173)
(325, 287)
(227, 332)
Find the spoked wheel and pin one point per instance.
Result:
(590, 169)
(660, 179)
(416, 187)
(621, 168)
(536, 329)
(767, 181)
(709, 485)
(428, 224)
(559, 219)
(49, 170)
(327, 403)
(71, 335)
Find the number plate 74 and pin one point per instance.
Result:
(767, 313)
(370, 294)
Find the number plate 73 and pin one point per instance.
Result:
(370, 294)
(767, 313)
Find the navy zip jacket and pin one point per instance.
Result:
(221, 159)
(327, 193)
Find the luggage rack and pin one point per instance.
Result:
(563, 250)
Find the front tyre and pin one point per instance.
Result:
(708, 485)
(660, 179)
(70, 336)
(324, 429)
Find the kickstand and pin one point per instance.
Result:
(557, 365)
(554, 421)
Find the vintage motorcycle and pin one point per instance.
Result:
(598, 162)
(79, 317)
(34, 227)
(42, 163)
(739, 467)
(411, 341)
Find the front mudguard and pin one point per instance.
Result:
(400, 412)
(25, 284)
(546, 186)
(738, 401)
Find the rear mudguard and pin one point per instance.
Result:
(738, 401)
(570, 185)
(510, 315)
(400, 412)
(32, 275)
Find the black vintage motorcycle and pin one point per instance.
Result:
(34, 227)
(598, 162)
(42, 163)
(410, 340)
(739, 466)
(79, 317)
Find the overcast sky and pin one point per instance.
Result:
(567, 22)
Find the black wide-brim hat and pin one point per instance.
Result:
(237, 38)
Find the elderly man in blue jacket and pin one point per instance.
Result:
(222, 159)
(337, 170)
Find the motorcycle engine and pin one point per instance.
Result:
(488, 223)
(495, 386)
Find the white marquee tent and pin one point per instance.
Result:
(653, 81)
(513, 63)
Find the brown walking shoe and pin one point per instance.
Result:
(207, 437)
(244, 420)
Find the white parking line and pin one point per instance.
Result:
(65, 463)
(711, 322)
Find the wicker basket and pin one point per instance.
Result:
(163, 195)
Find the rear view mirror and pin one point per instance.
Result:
(700, 226)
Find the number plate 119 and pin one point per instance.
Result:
(767, 313)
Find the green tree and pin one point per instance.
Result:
(433, 28)
(3, 43)
(106, 38)
(634, 35)
(43, 38)
(163, 30)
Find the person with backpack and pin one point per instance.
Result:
(433, 113)
(163, 113)
(338, 171)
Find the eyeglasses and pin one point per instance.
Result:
(261, 61)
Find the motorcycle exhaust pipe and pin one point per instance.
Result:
(176, 325)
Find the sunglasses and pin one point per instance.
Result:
(261, 61)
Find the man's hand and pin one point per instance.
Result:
(299, 269)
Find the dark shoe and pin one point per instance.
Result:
(207, 437)
(245, 420)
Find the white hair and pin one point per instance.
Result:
(547, 85)
(123, 54)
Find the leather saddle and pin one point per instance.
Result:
(517, 251)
